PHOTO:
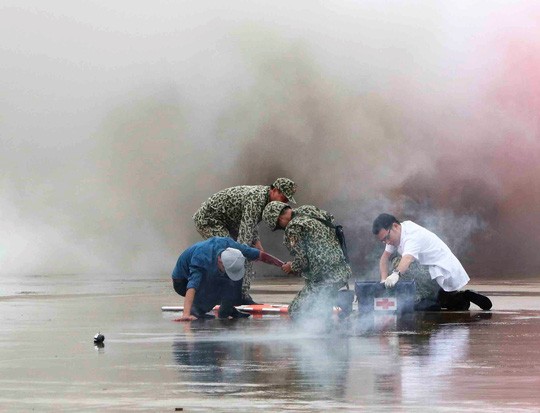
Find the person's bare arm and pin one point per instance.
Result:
(270, 259)
(188, 302)
(383, 265)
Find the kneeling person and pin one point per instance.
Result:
(318, 256)
(209, 273)
(417, 245)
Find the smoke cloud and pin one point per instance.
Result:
(118, 120)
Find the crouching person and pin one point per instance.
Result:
(209, 273)
(317, 257)
(427, 259)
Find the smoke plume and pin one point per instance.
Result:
(117, 121)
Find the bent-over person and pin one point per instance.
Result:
(235, 212)
(209, 273)
(317, 257)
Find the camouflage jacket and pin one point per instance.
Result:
(239, 208)
(317, 254)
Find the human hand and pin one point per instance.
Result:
(391, 280)
(187, 318)
(287, 267)
(258, 245)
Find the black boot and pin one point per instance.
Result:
(480, 300)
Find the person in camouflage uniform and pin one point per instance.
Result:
(317, 254)
(235, 212)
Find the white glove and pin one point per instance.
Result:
(391, 280)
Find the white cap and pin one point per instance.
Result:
(233, 261)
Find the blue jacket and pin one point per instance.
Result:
(200, 260)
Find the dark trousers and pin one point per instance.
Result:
(218, 290)
(453, 301)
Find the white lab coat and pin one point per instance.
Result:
(428, 249)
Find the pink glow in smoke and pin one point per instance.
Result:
(494, 168)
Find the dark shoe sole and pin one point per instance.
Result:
(480, 300)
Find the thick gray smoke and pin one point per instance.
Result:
(118, 120)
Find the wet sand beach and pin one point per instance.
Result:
(119, 120)
(445, 362)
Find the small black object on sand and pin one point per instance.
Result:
(99, 338)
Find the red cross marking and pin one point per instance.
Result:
(385, 303)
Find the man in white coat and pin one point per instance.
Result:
(417, 244)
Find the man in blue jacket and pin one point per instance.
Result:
(209, 273)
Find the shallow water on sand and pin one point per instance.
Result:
(448, 362)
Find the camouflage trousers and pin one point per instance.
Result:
(209, 228)
(426, 288)
(315, 300)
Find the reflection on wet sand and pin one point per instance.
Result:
(440, 362)
(417, 322)
(268, 361)
(363, 360)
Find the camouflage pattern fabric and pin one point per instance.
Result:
(271, 213)
(238, 209)
(234, 212)
(318, 258)
(426, 288)
(210, 227)
(315, 300)
(287, 188)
